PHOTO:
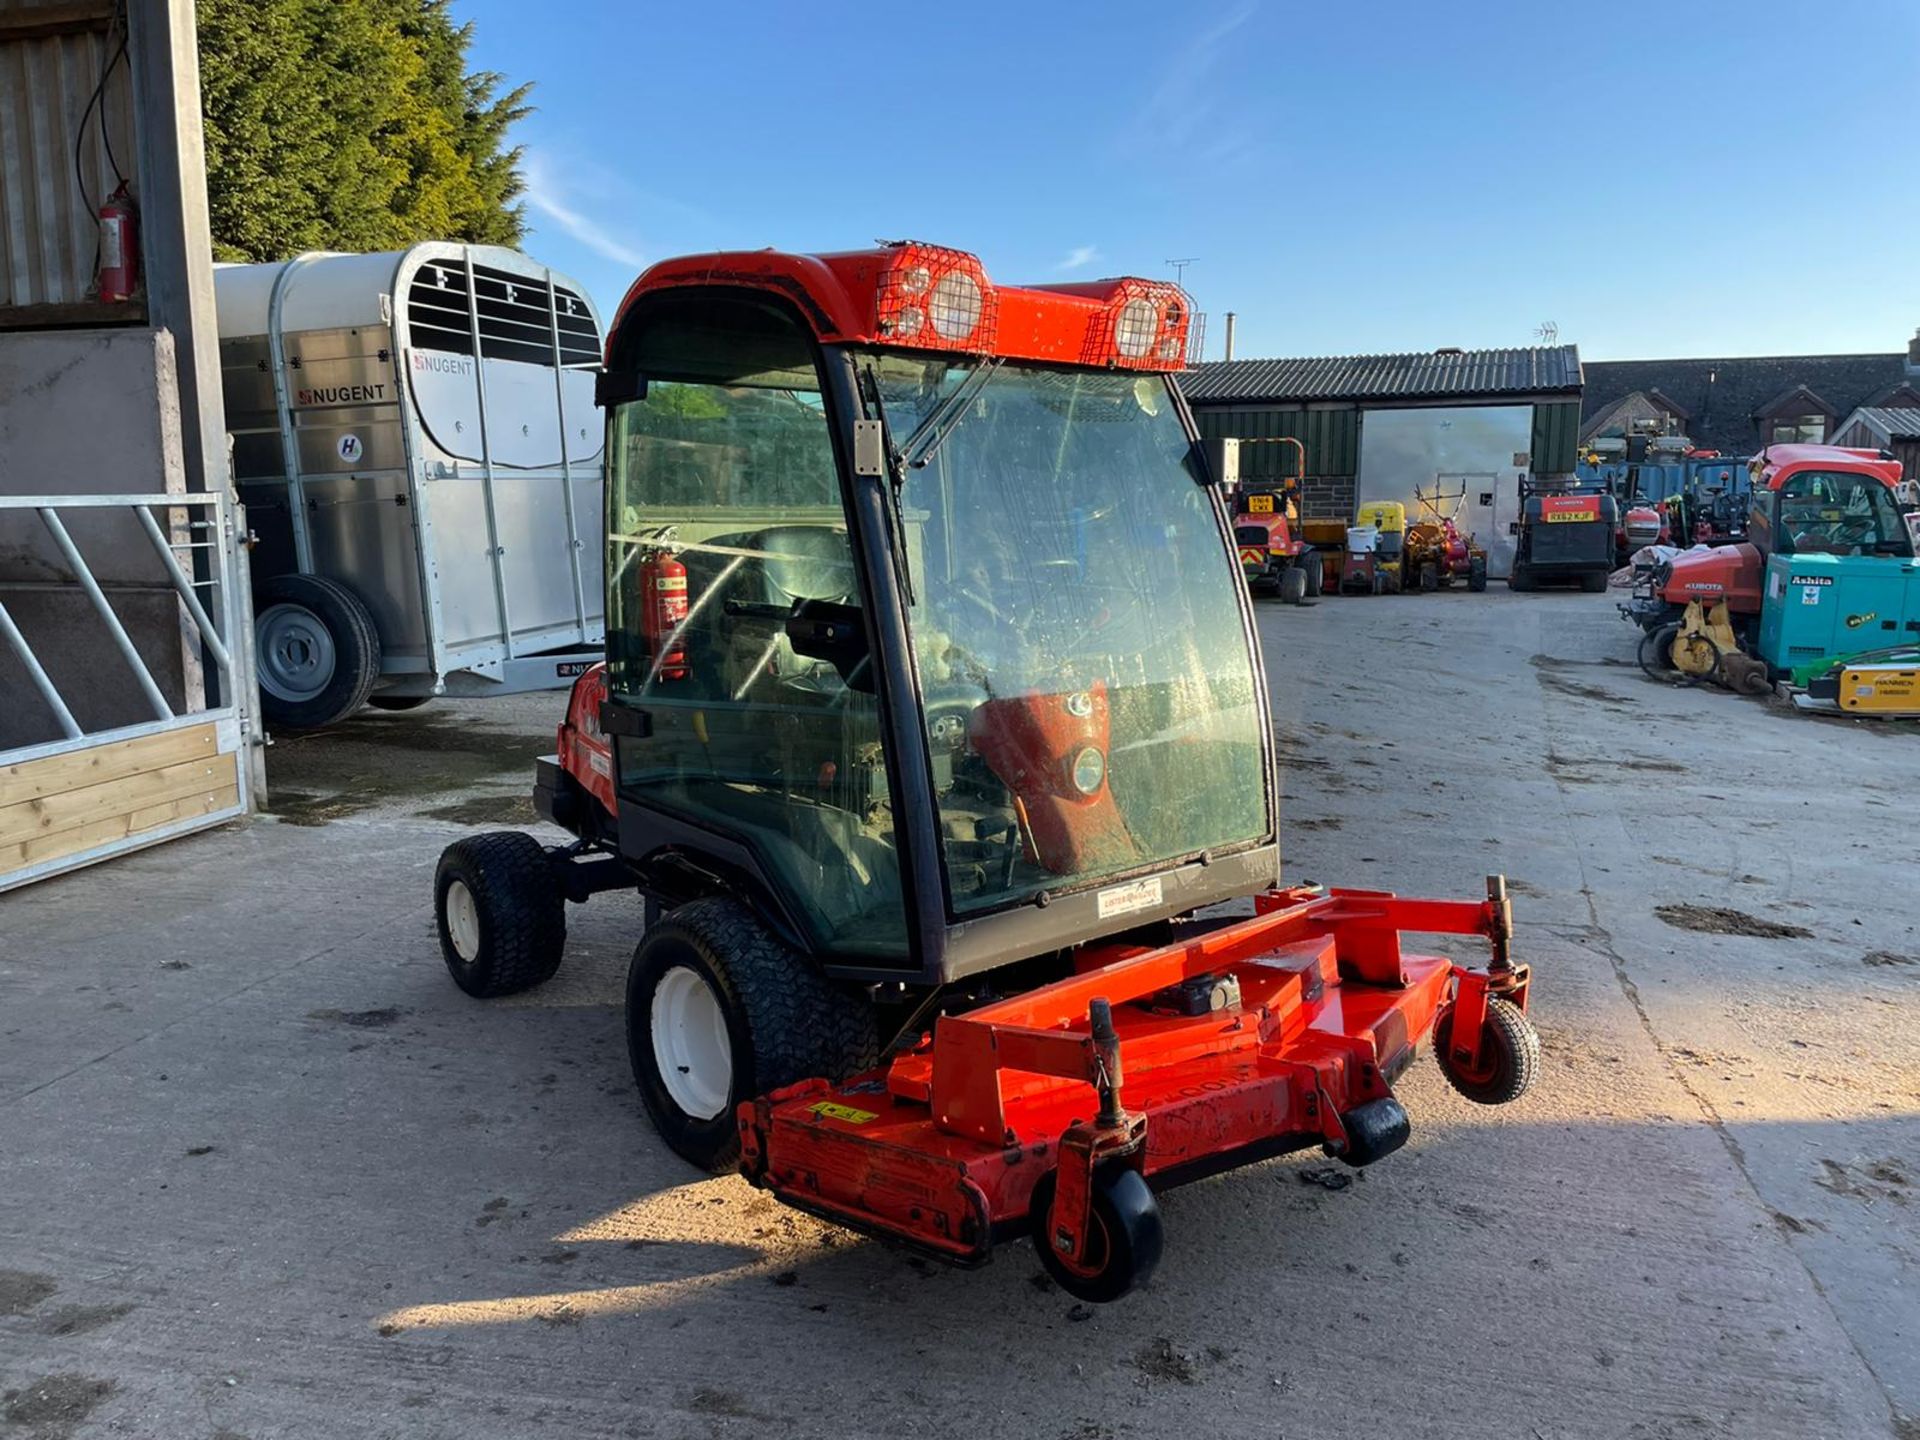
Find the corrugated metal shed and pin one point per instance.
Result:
(1437, 375)
(1556, 438)
(52, 54)
(1331, 439)
(1890, 423)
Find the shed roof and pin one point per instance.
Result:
(1427, 375)
(1896, 422)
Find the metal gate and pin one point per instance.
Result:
(91, 794)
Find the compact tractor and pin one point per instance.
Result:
(1271, 557)
(1437, 554)
(933, 730)
(1826, 571)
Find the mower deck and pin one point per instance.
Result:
(1313, 1011)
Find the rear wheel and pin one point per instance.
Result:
(501, 913)
(719, 1010)
(1125, 1240)
(1594, 582)
(316, 651)
(1477, 574)
(1521, 577)
(1310, 566)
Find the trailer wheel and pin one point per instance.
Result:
(501, 913)
(316, 651)
(397, 702)
(719, 1010)
(1509, 1055)
(1477, 574)
(1293, 585)
(1125, 1244)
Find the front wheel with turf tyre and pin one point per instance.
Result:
(719, 1010)
(316, 652)
(501, 912)
(1293, 585)
(1125, 1242)
(1509, 1055)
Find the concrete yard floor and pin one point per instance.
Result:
(264, 1172)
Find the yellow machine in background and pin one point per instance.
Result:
(1388, 519)
(1891, 690)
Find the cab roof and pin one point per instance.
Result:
(915, 296)
(1775, 463)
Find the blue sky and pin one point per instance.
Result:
(1655, 179)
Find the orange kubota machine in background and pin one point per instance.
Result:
(934, 731)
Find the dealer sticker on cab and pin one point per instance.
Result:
(1126, 899)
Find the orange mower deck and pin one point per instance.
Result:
(1261, 1036)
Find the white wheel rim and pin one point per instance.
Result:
(463, 921)
(691, 1046)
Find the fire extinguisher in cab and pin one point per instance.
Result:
(119, 246)
(663, 609)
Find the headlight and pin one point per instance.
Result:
(1134, 331)
(914, 280)
(907, 323)
(1089, 769)
(954, 306)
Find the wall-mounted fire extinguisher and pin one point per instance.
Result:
(663, 608)
(119, 246)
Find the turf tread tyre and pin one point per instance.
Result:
(786, 1021)
(1310, 563)
(1293, 585)
(521, 908)
(1477, 575)
(1510, 1050)
(1129, 1218)
(356, 647)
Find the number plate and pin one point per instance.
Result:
(1260, 504)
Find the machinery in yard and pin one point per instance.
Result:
(1271, 558)
(1566, 536)
(933, 729)
(1376, 550)
(1437, 554)
(1826, 571)
(415, 442)
(1668, 491)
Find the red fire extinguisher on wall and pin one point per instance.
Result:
(663, 608)
(119, 246)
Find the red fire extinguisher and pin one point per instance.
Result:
(119, 246)
(663, 609)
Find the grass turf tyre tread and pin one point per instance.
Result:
(523, 913)
(1516, 1050)
(787, 1022)
(1477, 575)
(356, 647)
(1125, 1208)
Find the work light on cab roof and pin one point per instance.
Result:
(910, 295)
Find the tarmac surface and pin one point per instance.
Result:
(265, 1173)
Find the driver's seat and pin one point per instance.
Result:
(795, 562)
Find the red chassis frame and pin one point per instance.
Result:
(942, 1148)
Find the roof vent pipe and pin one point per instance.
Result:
(1230, 335)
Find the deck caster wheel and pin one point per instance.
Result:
(719, 1010)
(1374, 1129)
(1126, 1240)
(1509, 1055)
(501, 913)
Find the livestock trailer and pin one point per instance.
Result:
(415, 440)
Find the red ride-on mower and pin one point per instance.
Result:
(931, 719)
